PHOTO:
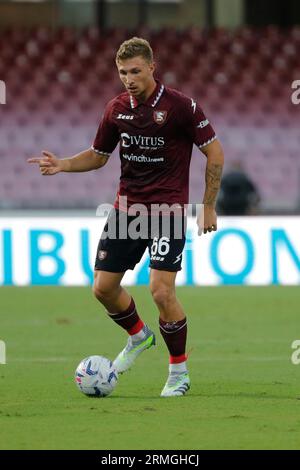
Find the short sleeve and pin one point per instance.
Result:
(196, 123)
(107, 136)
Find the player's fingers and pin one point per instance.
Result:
(214, 227)
(40, 161)
(210, 229)
(33, 160)
(48, 154)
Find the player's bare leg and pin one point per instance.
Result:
(173, 327)
(121, 308)
(108, 290)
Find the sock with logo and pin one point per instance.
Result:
(174, 335)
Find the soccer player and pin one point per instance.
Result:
(156, 128)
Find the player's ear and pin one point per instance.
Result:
(152, 66)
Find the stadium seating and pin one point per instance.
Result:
(59, 81)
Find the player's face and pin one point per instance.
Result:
(136, 75)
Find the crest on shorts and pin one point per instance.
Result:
(160, 116)
(102, 254)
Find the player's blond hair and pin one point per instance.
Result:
(135, 47)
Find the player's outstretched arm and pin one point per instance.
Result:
(87, 160)
(214, 167)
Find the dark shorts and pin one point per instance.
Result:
(125, 238)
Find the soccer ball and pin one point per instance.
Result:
(96, 376)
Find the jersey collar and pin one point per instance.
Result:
(152, 100)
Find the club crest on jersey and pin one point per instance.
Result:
(160, 116)
(102, 254)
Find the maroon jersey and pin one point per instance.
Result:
(156, 140)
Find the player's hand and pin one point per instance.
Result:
(49, 164)
(207, 220)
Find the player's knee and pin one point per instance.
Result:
(162, 295)
(102, 292)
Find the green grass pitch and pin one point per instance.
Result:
(245, 391)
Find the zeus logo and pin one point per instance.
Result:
(2, 352)
(141, 141)
(2, 92)
(194, 104)
(125, 116)
(178, 258)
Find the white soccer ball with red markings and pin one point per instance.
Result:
(96, 376)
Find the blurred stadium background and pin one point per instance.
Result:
(239, 59)
(57, 60)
